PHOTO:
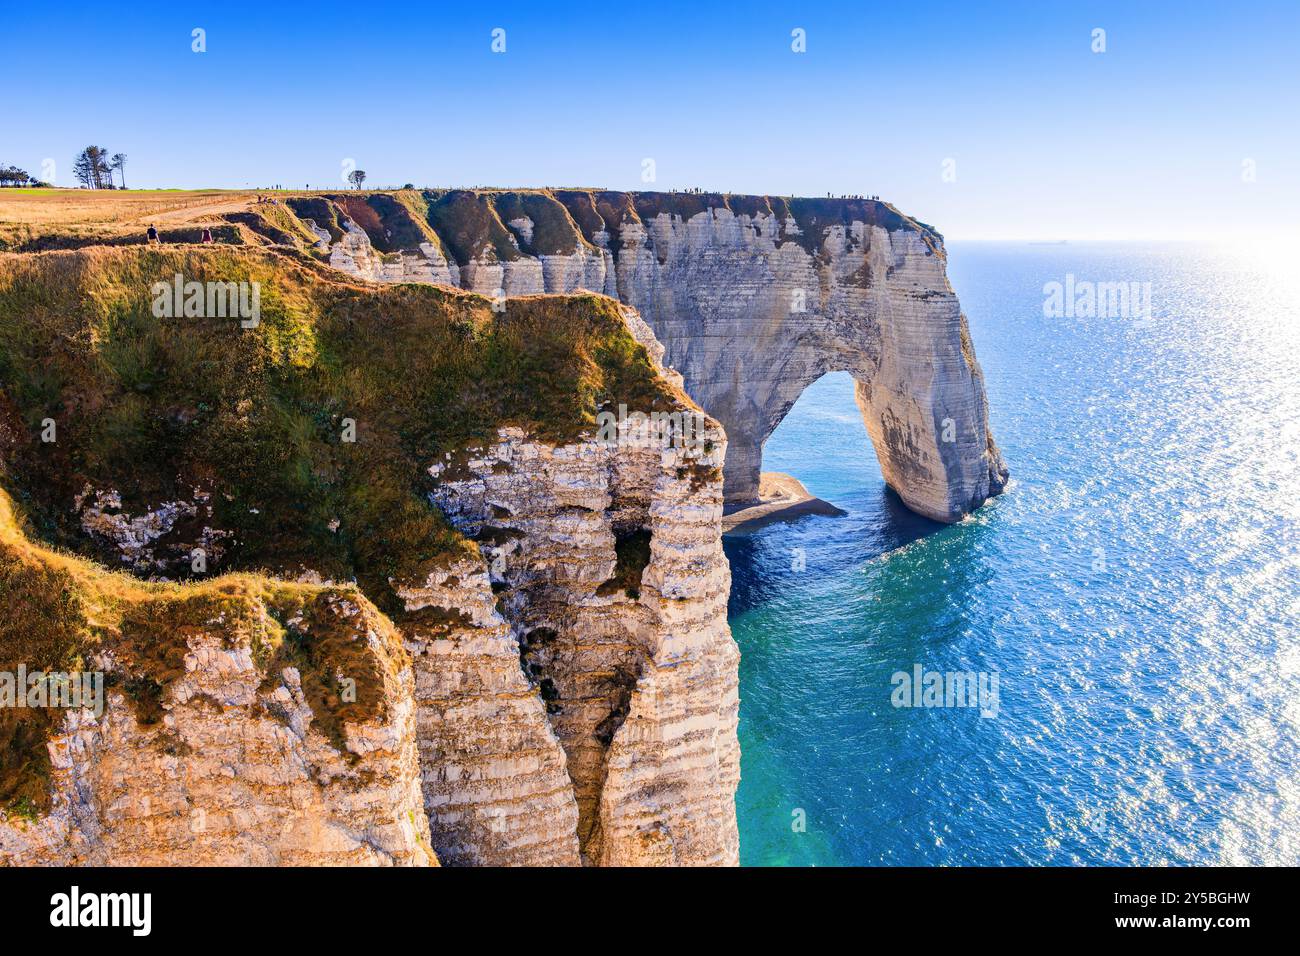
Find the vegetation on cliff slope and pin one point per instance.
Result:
(64, 614)
(309, 435)
(469, 226)
(463, 224)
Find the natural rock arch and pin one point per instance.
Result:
(750, 322)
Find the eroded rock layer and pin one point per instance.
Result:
(211, 740)
(610, 572)
(496, 787)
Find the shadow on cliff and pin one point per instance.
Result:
(762, 563)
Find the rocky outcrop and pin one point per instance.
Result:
(754, 298)
(210, 740)
(751, 320)
(610, 573)
(496, 786)
(572, 695)
(354, 255)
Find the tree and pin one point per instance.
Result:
(119, 163)
(357, 177)
(91, 168)
(13, 176)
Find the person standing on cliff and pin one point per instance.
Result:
(151, 236)
(207, 235)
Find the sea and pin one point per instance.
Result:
(1126, 616)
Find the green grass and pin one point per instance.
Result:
(467, 222)
(554, 231)
(320, 211)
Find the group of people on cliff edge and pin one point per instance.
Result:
(151, 236)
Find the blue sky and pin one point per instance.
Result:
(1048, 139)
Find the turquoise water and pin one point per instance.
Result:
(1137, 592)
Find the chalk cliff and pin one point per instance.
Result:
(609, 568)
(753, 298)
(489, 634)
(217, 740)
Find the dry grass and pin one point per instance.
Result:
(81, 207)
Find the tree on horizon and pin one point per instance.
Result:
(119, 163)
(91, 168)
(357, 177)
(13, 176)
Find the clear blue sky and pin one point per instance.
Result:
(1049, 139)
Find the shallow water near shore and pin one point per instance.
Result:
(1136, 591)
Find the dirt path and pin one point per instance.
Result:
(190, 213)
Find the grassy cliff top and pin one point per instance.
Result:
(463, 224)
(257, 422)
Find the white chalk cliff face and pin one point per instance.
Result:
(750, 323)
(627, 748)
(577, 698)
(355, 255)
(754, 299)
